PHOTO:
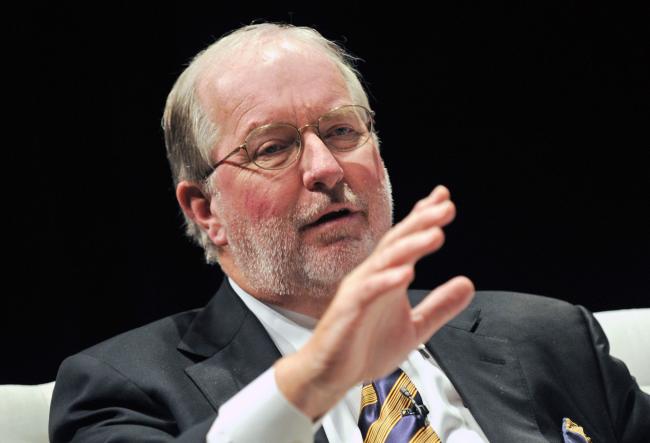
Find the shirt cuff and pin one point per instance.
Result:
(260, 412)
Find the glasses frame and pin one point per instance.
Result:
(244, 146)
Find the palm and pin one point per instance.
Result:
(370, 326)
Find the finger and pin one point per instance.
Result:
(441, 305)
(373, 286)
(439, 194)
(439, 215)
(408, 250)
(438, 197)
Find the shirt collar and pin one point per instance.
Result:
(289, 330)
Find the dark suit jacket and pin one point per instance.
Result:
(521, 363)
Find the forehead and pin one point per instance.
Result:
(278, 81)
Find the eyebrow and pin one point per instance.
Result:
(257, 123)
(254, 125)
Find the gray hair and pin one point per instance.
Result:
(190, 133)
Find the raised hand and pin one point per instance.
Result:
(370, 327)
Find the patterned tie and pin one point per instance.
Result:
(388, 412)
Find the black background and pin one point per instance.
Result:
(534, 115)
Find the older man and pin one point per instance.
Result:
(278, 172)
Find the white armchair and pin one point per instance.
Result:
(24, 409)
(24, 412)
(628, 332)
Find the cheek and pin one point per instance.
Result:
(268, 200)
(255, 206)
(367, 171)
(255, 196)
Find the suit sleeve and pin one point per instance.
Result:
(93, 402)
(629, 407)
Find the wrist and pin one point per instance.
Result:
(305, 386)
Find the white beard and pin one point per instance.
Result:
(272, 258)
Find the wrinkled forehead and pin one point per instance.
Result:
(277, 80)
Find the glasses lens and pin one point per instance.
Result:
(345, 128)
(274, 146)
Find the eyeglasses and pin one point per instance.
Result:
(278, 145)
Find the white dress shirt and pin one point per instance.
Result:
(260, 412)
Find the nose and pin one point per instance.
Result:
(320, 168)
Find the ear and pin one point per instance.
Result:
(196, 206)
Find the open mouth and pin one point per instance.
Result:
(330, 216)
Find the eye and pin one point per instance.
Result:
(342, 132)
(271, 149)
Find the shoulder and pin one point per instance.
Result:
(141, 375)
(521, 306)
(522, 316)
(136, 351)
(529, 317)
(508, 303)
(158, 334)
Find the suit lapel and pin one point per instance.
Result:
(484, 369)
(486, 373)
(236, 346)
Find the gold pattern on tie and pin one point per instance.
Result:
(396, 407)
(368, 396)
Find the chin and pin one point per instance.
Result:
(329, 263)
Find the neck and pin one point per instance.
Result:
(312, 301)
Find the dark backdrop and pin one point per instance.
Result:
(535, 116)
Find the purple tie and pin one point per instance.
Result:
(392, 412)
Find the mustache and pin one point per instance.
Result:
(342, 194)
